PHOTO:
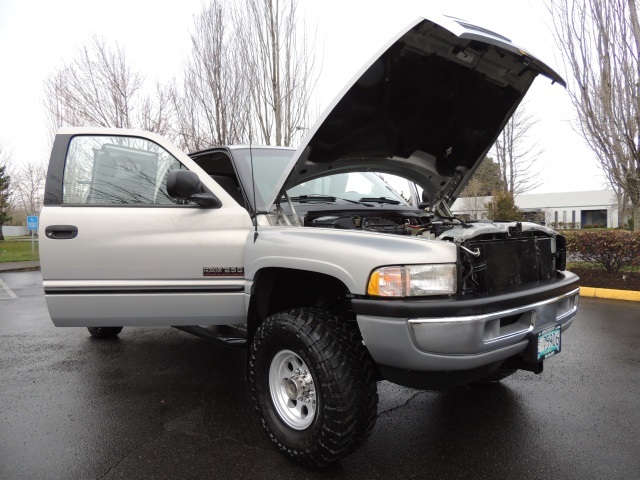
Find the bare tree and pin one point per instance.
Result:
(515, 153)
(28, 187)
(249, 78)
(156, 113)
(622, 200)
(600, 43)
(99, 88)
(472, 198)
(212, 108)
(280, 66)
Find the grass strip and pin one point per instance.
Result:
(17, 251)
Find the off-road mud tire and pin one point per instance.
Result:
(344, 376)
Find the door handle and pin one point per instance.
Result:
(61, 232)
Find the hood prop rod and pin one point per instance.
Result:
(281, 212)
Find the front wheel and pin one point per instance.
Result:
(313, 385)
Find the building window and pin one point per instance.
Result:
(594, 218)
(555, 218)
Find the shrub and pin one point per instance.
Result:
(610, 250)
(502, 206)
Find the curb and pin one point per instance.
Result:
(19, 269)
(629, 295)
(23, 266)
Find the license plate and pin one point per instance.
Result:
(549, 342)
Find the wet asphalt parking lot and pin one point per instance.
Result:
(158, 403)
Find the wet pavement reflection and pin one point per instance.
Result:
(158, 403)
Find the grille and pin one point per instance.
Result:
(504, 264)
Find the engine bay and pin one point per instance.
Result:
(493, 256)
(422, 224)
(394, 222)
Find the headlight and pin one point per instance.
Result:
(413, 281)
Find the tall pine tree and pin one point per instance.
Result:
(488, 180)
(4, 198)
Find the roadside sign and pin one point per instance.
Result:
(32, 223)
(32, 226)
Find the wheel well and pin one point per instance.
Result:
(278, 289)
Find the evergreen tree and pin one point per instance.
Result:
(503, 207)
(485, 180)
(4, 198)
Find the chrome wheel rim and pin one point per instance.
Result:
(292, 389)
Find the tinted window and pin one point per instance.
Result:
(116, 170)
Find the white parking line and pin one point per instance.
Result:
(5, 291)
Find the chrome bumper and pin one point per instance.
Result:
(464, 342)
(482, 333)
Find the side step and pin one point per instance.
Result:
(218, 337)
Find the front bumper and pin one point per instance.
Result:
(464, 334)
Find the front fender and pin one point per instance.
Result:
(350, 256)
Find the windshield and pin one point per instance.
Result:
(354, 186)
(270, 163)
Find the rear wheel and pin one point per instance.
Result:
(313, 385)
(104, 332)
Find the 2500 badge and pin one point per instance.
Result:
(223, 271)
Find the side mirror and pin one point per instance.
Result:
(185, 185)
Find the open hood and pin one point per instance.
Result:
(427, 107)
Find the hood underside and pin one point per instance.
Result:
(428, 107)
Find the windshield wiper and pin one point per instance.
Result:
(314, 198)
(392, 201)
(318, 197)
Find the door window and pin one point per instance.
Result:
(114, 170)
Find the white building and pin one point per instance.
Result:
(559, 210)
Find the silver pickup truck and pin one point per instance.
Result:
(330, 278)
